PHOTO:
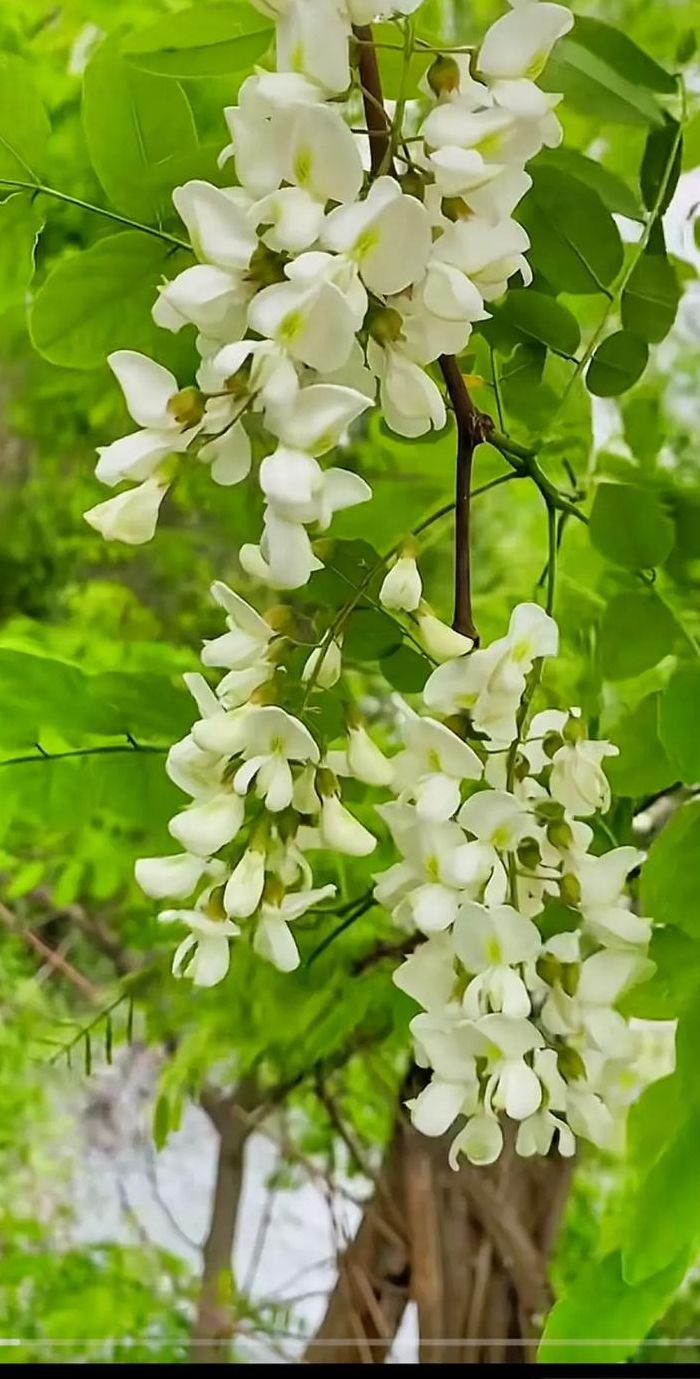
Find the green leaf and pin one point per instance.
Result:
(675, 982)
(613, 46)
(542, 319)
(650, 299)
(370, 635)
(576, 245)
(100, 300)
(20, 226)
(405, 670)
(591, 84)
(614, 193)
(637, 631)
(133, 123)
(630, 526)
(391, 62)
(24, 125)
(642, 768)
(617, 364)
(204, 41)
(678, 722)
(665, 1220)
(669, 884)
(657, 179)
(602, 1319)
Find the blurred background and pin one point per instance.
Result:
(115, 1083)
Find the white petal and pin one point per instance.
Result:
(204, 828)
(219, 229)
(436, 1107)
(229, 455)
(244, 887)
(131, 516)
(519, 43)
(169, 877)
(210, 963)
(274, 941)
(342, 832)
(147, 388)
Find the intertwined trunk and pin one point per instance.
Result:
(470, 1249)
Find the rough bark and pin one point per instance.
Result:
(215, 1322)
(470, 1249)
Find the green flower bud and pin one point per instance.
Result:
(551, 743)
(326, 782)
(266, 267)
(574, 731)
(528, 854)
(570, 1064)
(187, 406)
(455, 208)
(559, 834)
(444, 76)
(547, 810)
(570, 890)
(570, 977)
(384, 324)
(412, 184)
(548, 968)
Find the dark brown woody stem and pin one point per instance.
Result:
(378, 123)
(472, 428)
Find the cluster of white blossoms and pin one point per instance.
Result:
(530, 939)
(260, 801)
(320, 285)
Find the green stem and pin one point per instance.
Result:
(115, 749)
(38, 188)
(553, 544)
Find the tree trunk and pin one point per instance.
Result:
(470, 1249)
(216, 1319)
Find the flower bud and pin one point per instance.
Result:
(326, 782)
(441, 641)
(559, 834)
(187, 406)
(551, 743)
(324, 665)
(548, 968)
(547, 810)
(341, 831)
(444, 76)
(454, 208)
(402, 588)
(574, 731)
(266, 268)
(570, 1064)
(570, 977)
(412, 184)
(570, 890)
(528, 854)
(384, 324)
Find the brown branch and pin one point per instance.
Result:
(55, 960)
(472, 429)
(216, 1318)
(378, 123)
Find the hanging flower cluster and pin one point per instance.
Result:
(320, 285)
(259, 802)
(530, 938)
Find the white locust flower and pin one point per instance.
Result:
(411, 401)
(324, 666)
(171, 878)
(578, 780)
(386, 237)
(244, 887)
(402, 588)
(439, 639)
(513, 1086)
(515, 51)
(481, 1141)
(132, 516)
(248, 636)
(432, 766)
(492, 944)
(273, 938)
(428, 975)
(204, 955)
(273, 739)
(340, 831)
(169, 416)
